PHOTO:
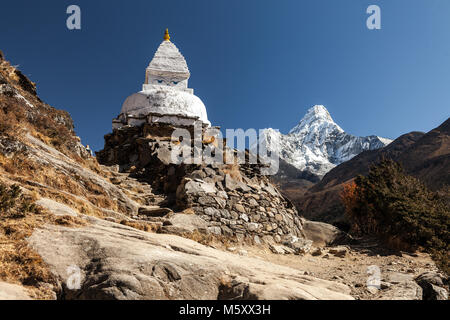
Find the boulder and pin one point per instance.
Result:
(399, 286)
(271, 190)
(300, 246)
(403, 291)
(252, 227)
(316, 252)
(196, 186)
(432, 286)
(164, 154)
(232, 184)
(252, 202)
(209, 171)
(198, 174)
(221, 202)
(185, 223)
(322, 234)
(277, 249)
(212, 212)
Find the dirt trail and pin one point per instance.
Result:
(352, 269)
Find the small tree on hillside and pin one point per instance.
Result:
(398, 208)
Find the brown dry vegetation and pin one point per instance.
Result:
(207, 239)
(58, 185)
(18, 262)
(52, 126)
(140, 225)
(233, 171)
(18, 215)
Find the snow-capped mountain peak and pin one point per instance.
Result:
(315, 116)
(317, 144)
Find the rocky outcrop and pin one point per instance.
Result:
(399, 287)
(432, 285)
(322, 234)
(119, 262)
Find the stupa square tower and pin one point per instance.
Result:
(168, 67)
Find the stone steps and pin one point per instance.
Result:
(139, 191)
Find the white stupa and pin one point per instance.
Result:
(165, 96)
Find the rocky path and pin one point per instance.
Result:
(353, 267)
(138, 190)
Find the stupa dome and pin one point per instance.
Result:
(165, 101)
(165, 92)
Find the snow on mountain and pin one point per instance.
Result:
(317, 144)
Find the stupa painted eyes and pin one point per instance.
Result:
(73, 21)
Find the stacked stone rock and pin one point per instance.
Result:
(251, 209)
(235, 200)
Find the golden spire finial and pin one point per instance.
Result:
(166, 35)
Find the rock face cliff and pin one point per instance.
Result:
(317, 144)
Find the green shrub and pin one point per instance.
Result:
(399, 209)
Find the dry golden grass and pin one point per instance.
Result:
(233, 171)
(18, 262)
(54, 128)
(60, 186)
(82, 206)
(21, 265)
(207, 238)
(143, 226)
(188, 211)
(209, 140)
(68, 221)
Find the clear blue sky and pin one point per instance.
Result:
(254, 63)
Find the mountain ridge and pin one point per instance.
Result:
(317, 144)
(423, 155)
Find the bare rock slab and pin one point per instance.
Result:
(119, 262)
(9, 291)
